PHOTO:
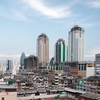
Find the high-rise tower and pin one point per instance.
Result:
(43, 49)
(22, 59)
(9, 65)
(60, 51)
(76, 44)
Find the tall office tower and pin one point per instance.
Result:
(22, 59)
(60, 51)
(43, 49)
(14, 66)
(97, 65)
(76, 44)
(9, 65)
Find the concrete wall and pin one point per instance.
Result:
(8, 95)
(89, 71)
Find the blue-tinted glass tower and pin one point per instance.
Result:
(22, 59)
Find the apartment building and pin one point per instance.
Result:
(92, 84)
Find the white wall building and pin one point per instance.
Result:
(76, 44)
(43, 48)
(89, 71)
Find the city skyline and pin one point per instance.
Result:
(23, 20)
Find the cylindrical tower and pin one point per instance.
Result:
(43, 48)
(60, 51)
(76, 44)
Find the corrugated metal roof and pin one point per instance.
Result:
(5, 86)
(91, 95)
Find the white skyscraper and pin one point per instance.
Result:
(76, 44)
(43, 48)
(15, 67)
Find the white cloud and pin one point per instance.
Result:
(51, 12)
(12, 13)
(95, 4)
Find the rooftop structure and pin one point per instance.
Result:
(89, 96)
(8, 92)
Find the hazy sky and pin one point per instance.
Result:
(21, 21)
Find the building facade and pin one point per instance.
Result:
(60, 51)
(76, 44)
(43, 49)
(31, 63)
(97, 65)
(22, 59)
(86, 69)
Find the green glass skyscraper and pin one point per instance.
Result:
(60, 51)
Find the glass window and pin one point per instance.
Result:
(85, 67)
(79, 67)
(82, 66)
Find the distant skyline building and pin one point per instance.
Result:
(76, 44)
(60, 51)
(2, 68)
(52, 61)
(22, 59)
(15, 67)
(12, 66)
(43, 49)
(9, 65)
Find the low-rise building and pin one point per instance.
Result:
(92, 84)
(8, 92)
(86, 68)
